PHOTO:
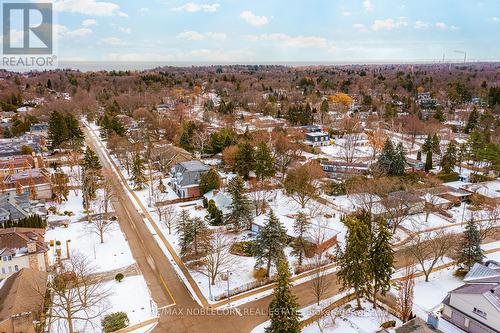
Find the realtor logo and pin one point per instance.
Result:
(27, 28)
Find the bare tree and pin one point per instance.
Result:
(428, 248)
(320, 282)
(259, 194)
(78, 297)
(100, 225)
(405, 293)
(218, 259)
(302, 183)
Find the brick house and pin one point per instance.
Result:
(186, 178)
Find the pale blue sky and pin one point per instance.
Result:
(277, 30)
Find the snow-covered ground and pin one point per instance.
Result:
(114, 253)
(132, 297)
(347, 319)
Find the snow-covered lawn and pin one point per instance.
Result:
(132, 297)
(112, 254)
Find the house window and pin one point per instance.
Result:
(16, 268)
(10, 269)
(3, 270)
(7, 258)
(479, 313)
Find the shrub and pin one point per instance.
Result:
(260, 273)
(114, 322)
(58, 243)
(477, 178)
(119, 277)
(244, 248)
(448, 177)
(460, 273)
(388, 324)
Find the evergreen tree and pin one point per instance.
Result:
(209, 181)
(398, 165)
(57, 130)
(428, 144)
(199, 233)
(472, 121)
(183, 230)
(64, 132)
(264, 163)
(270, 243)
(381, 261)
(300, 244)
(439, 115)
(244, 159)
(90, 160)
(241, 208)
(386, 157)
(435, 144)
(470, 251)
(354, 260)
(138, 177)
(449, 159)
(283, 309)
(91, 175)
(428, 161)
(324, 108)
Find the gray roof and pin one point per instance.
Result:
(480, 273)
(193, 165)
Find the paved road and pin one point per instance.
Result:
(179, 312)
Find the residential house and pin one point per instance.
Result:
(22, 248)
(13, 146)
(41, 129)
(339, 169)
(14, 207)
(186, 178)
(488, 190)
(35, 181)
(316, 139)
(19, 163)
(475, 306)
(22, 301)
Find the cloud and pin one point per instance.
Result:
(63, 31)
(81, 32)
(389, 24)
(89, 7)
(195, 35)
(89, 22)
(444, 26)
(124, 29)
(195, 7)
(495, 19)
(253, 19)
(368, 5)
(422, 25)
(441, 25)
(360, 27)
(287, 40)
(114, 41)
(346, 13)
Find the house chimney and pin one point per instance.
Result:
(31, 246)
